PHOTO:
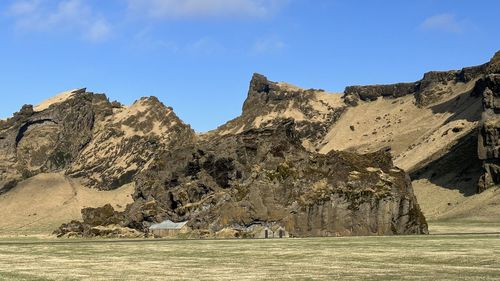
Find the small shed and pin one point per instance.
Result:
(262, 232)
(274, 231)
(168, 228)
(268, 233)
(281, 233)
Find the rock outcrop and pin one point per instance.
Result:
(83, 134)
(269, 103)
(489, 137)
(433, 87)
(33, 142)
(263, 176)
(126, 142)
(353, 94)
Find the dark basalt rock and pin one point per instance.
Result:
(371, 93)
(83, 137)
(122, 146)
(104, 215)
(265, 175)
(468, 74)
(493, 67)
(49, 140)
(76, 227)
(489, 136)
(266, 97)
(431, 88)
(426, 91)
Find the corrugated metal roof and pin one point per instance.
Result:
(168, 224)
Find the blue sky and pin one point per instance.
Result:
(199, 55)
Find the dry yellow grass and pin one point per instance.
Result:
(450, 211)
(413, 133)
(353, 258)
(61, 97)
(40, 204)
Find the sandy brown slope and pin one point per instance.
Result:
(40, 204)
(414, 133)
(59, 98)
(450, 211)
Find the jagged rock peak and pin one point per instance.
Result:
(151, 100)
(50, 138)
(264, 93)
(260, 83)
(268, 103)
(125, 142)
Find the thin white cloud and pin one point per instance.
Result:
(268, 45)
(179, 9)
(205, 46)
(98, 31)
(146, 41)
(24, 7)
(443, 22)
(65, 15)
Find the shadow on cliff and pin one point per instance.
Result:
(459, 169)
(463, 107)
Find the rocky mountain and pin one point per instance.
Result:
(219, 182)
(314, 111)
(88, 137)
(441, 129)
(316, 163)
(422, 122)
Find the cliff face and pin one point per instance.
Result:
(264, 177)
(255, 173)
(489, 137)
(433, 87)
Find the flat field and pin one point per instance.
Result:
(434, 257)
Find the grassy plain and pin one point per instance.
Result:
(29, 252)
(435, 257)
